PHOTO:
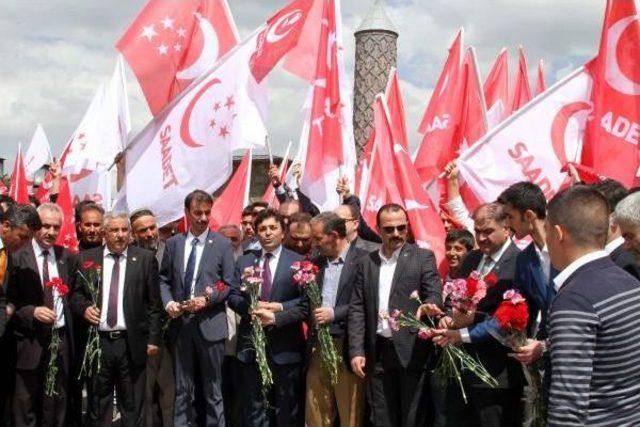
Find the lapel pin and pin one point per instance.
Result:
(134, 259)
(210, 241)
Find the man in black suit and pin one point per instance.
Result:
(487, 406)
(627, 216)
(160, 387)
(394, 363)
(18, 223)
(337, 261)
(193, 262)
(40, 308)
(128, 319)
(614, 192)
(282, 309)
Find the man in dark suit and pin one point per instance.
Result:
(40, 308)
(193, 262)
(594, 318)
(487, 406)
(282, 309)
(160, 387)
(128, 318)
(337, 261)
(18, 223)
(628, 218)
(394, 363)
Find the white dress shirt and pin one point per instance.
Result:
(202, 238)
(53, 272)
(273, 262)
(614, 244)
(545, 259)
(571, 268)
(107, 268)
(385, 280)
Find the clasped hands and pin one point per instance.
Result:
(266, 312)
(193, 305)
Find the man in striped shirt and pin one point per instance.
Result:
(594, 321)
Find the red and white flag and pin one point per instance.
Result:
(496, 89)
(172, 43)
(440, 120)
(473, 117)
(541, 84)
(533, 144)
(612, 137)
(67, 236)
(18, 190)
(38, 154)
(328, 131)
(189, 145)
(521, 93)
(227, 208)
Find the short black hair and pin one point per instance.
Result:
(353, 210)
(259, 204)
(584, 212)
(34, 200)
(300, 218)
(139, 214)
(21, 215)
(464, 237)
(612, 190)
(266, 214)
(248, 210)
(85, 206)
(495, 210)
(390, 207)
(331, 222)
(199, 196)
(524, 196)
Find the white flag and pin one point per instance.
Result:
(189, 144)
(38, 154)
(533, 144)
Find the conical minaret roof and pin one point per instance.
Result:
(377, 19)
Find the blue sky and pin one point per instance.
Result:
(56, 52)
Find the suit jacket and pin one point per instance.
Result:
(26, 292)
(285, 342)
(365, 245)
(141, 299)
(493, 355)
(623, 259)
(416, 270)
(215, 264)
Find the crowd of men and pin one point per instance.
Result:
(174, 325)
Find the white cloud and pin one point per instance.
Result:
(56, 52)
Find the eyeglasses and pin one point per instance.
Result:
(390, 229)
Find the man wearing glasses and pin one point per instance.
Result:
(351, 215)
(394, 363)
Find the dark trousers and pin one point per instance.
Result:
(232, 391)
(284, 398)
(486, 407)
(78, 381)
(197, 360)
(160, 390)
(7, 376)
(117, 371)
(395, 394)
(31, 406)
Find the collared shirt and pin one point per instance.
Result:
(331, 279)
(53, 272)
(494, 258)
(107, 268)
(385, 280)
(187, 251)
(545, 259)
(614, 244)
(571, 268)
(273, 262)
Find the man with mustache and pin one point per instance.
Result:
(88, 217)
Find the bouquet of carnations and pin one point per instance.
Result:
(91, 274)
(305, 276)
(56, 284)
(512, 317)
(251, 283)
(465, 294)
(453, 359)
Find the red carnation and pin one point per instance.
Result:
(220, 286)
(88, 265)
(491, 279)
(472, 286)
(512, 316)
(57, 284)
(63, 290)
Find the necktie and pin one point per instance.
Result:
(112, 310)
(48, 291)
(487, 265)
(266, 277)
(190, 270)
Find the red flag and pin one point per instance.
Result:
(473, 117)
(612, 136)
(496, 89)
(393, 97)
(18, 190)
(279, 37)
(441, 117)
(363, 169)
(67, 236)
(541, 85)
(521, 90)
(172, 43)
(227, 209)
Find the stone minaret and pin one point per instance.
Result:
(376, 52)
